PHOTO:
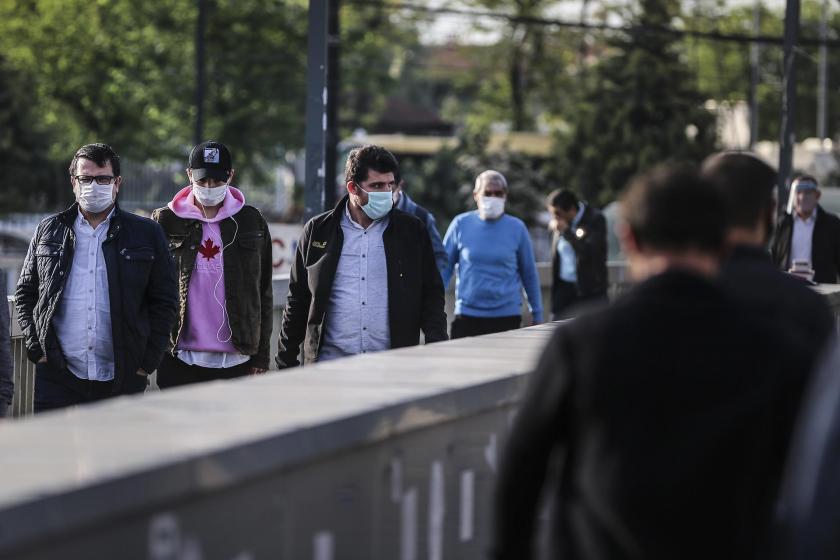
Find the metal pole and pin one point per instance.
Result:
(822, 77)
(788, 133)
(333, 84)
(755, 53)
(320, 116)
(200, 80)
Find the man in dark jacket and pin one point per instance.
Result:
(222, 250)
(809, 234)
(364, 277)
(579, 253)
(747, 186)
(96, 296)
(672, 411)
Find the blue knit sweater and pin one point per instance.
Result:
(495, 260)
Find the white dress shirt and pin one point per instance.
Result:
(803, 235)
(82, 319)
(568, 257)
(356, 321)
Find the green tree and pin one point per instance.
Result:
(123, 72)
(24, 167)
(638, 107)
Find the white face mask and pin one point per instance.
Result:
(94, 197)
(209, 196)
(490, 207)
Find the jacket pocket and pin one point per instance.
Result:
(138, 254)
(47, 258)
(137, 265)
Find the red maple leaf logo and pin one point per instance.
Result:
(208, 250)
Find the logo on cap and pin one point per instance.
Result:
(211, 155)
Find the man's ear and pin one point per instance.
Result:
(351, 187)
(230, 177)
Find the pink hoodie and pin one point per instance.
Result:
(207, 323)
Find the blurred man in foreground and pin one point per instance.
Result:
(747, 186)
(672, 411)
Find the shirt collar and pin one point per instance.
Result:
(810, 220)
(81, 220)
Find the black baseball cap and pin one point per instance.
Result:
(211, 160)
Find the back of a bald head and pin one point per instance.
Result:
(746, 184)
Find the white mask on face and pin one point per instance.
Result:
(209, 196)
(94, 197)
(490, 207)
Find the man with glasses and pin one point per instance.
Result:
(96, 296)
(364, 277)
(495, 261)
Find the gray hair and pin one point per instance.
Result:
(490, 177)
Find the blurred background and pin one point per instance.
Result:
(577, 94)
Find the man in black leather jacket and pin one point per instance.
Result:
(96, 296)
(362, 300)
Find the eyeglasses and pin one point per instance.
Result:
(88, 179)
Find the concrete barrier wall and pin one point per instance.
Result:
(389, 455)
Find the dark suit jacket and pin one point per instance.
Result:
(825, 247)
(767, 293)
(589, 240)
(673, 413)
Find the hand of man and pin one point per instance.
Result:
(256, 370)
(43, 360)
(559, 225)
(142, 373)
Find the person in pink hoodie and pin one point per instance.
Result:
(222, 251)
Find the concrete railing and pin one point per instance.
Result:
(390, 455)
(24, 371)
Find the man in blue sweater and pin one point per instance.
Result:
(495, 260)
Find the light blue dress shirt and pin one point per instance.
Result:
(357, 321)
(568, 258)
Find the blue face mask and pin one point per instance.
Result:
(379, 204)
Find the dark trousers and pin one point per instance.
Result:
(59, 388)
(563, 297)
(172, 372)
(464, 325)
(566, 301)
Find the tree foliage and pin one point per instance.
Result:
(639, 107)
